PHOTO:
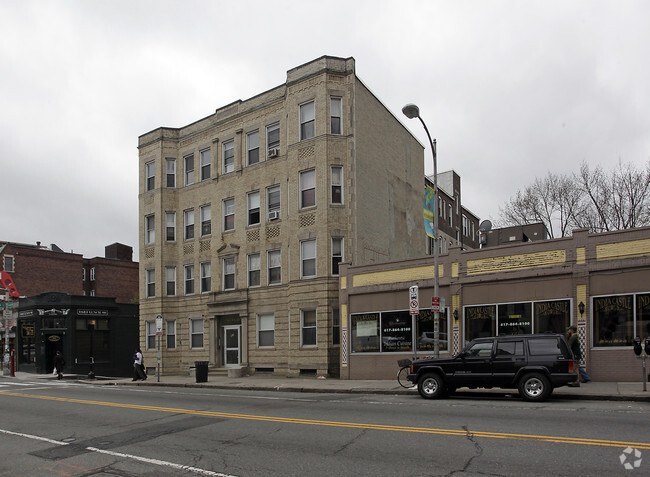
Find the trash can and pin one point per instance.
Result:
(201, 371)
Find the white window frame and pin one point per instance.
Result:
(150, 175)
(336, 183)
(337, 255)
(336, 106)
(150, 281)
(275, 189)
(188, 224)
(272, 143)
(170, 225)
(197, 329)
(307, 183)
(205, 215)
(92, 274)
(170, 334)
(205, 162)
(188, 280)
(307, 120)
(9, 264)
(149, 229)
(229, 268)
(306, 257)
(170, 173)
(266, 326)
(273, 261)
(228, 156)
(188, 160)
(170, 279)
(205, 271)
(254, 274)
(228, 211)
(151, 334)
(252, 148)
(304, 328)
(253, 206)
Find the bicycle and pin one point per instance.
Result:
(405, 369)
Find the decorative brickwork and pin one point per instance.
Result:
(516, 262)
(253, 235)
(307, 220)
(149, 252)
(188, 249)
(272, 232)
(204, 246)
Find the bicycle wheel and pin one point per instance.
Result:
(402, 377)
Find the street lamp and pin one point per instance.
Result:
(412, 111)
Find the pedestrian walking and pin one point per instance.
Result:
(574, 344)
(138, 366)
(59, 363)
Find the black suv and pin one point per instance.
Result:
(533, 364)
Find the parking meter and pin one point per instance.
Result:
(637, 346)
(647, 346)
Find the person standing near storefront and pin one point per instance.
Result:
(59, 363)
(574, 344)
(138, 367)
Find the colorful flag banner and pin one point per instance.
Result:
(429, 208)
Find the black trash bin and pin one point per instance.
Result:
(201, 371)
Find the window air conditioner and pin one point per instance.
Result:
(274, 215)
(274, 152)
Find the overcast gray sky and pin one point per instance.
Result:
(511, 89)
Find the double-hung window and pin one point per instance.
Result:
(337, 254)
(335, 115)
(196, 333)
(308, 258)
(228, 148)
(337, 185)
(150, 174)
(189, 279)
(150, 277)
(307, 188)
(307, 120)
(336, 326)
(308, 327)
(149, 229)
(171, 172)
(189, 169)
(205, 164)
(254, 270)
(206, 220)
(206, 274)
(253, 199)
(229, 273)
(170, 281)
(228, 214)
(266, 330)
(272, 141)
(274, 267)
(151, 334)
(188, 216)
(170, 226)
(253, 148)
(171, 334)
(273, 202)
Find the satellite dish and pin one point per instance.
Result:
(485, 226)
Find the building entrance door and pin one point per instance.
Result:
(53, 343)
(232, 346)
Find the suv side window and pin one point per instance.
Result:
(480, 350)
(510, 348)
(544, 346)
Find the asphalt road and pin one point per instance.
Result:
(73, 429)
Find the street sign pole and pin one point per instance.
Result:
(414, 306)
(159, 329)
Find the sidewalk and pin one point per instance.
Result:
(608, 391)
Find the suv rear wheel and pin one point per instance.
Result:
(431, 386)
(535, 387)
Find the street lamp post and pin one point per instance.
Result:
(412, 111)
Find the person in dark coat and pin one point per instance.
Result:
(59, 363)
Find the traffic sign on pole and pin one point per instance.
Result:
(414, 303)
(435, 303)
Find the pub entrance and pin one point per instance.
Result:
(53, 343)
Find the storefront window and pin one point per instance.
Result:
(552, 316)
(480, 321)
(515, 319)
(396, 331)
(426, 330)
(365, 333)
(613, 320)
(27, 343)
(643, 316)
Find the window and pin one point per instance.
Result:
(544, 347)
(254, 270)
(206, 273)
(228, 214)
(308, 258)
(189, 224)
(273, 202)
(150, 174)
(308, 188)
(228, 156)
(83, 270)
(275, 267)
(510, 348)
(170, 281)
(189, 169)
(451, 212)
(205, 164)
(151, 334)
(613, 320)
(253, 148)
(170, 326)
(229, 273)
(265, 330)
(92, 274)
(196, 333)
(308, 327)
(336, 326)
(337, 185)
(206, 220)
(150, 277)
(272, 141)
(253, 199)
(335, 115)
(441, 208)
(171, 172)
(170, 226)
(337, 254)
(149, 229)
(8, 264)
(189, 279)
(307, 120)
(465, 226)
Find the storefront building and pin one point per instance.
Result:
(598, 282)
(93, 333)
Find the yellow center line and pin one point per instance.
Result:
(354, 425)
